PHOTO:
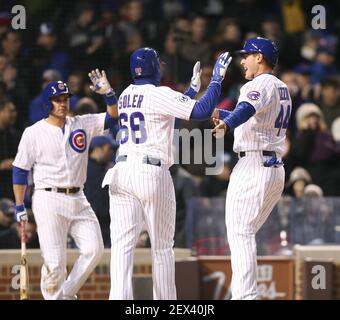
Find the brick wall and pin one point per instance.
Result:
(97, 285)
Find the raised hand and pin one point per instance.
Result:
(100, 83)
(195, 83)
(220, 67)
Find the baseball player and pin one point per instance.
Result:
(56, 148)
(260, 120)
(141, 188)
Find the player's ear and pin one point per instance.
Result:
(259, 57)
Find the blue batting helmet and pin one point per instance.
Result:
(262, 45)
(145, 63)
(54, 89)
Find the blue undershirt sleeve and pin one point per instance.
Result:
(191, 93)
(109, 122)
(243, 111)
(205, 106)
(19, 176)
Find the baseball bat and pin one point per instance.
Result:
(24, 280)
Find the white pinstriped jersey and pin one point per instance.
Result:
(59, 158)
(147, 116)
(266, 130)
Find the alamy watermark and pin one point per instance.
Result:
(319, 280)
(197, 147)
(319, 18)
(19, 19)
(16, 278)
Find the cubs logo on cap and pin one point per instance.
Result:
(253, 95)
(138, 71)
(78, 140)
(61, 85)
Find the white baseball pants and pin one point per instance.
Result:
(252, 193)
(56, 215)
(142, 193)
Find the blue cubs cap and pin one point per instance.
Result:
(261, 45)
(54, 89)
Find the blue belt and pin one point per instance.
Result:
(146, 159)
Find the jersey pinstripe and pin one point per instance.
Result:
(48, 148)
(142, 193)
(59, 159)
(147, 115)
(267, 94)
(254, 188)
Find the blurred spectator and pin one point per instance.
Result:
(10, 238)
(205, 78)
(312, 190)
(197, 48)
(171, 9)
(76, 84)
(5, 22)
(113, 38)
(7, 73)
(271, 28)
(314, 148)
(86, 39)
(309, 46)
(85, 106)
(228, 35)
(100, 159)
(7, 213)
(312, 222)
(134, 41)
(17, 75)
(181, 28)
(303, 72)
(9, 141)
(298, 180)
(177, 69)
(47, 54)
(185, 188)
(330, 100)
(11, 46)
(143, 240)
(335, 129)
(323, 66)
(217, 185)
(133, 20)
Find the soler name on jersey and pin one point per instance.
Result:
(130, 101)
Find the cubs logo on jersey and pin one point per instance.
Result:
(253, 95)
(78, 140)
